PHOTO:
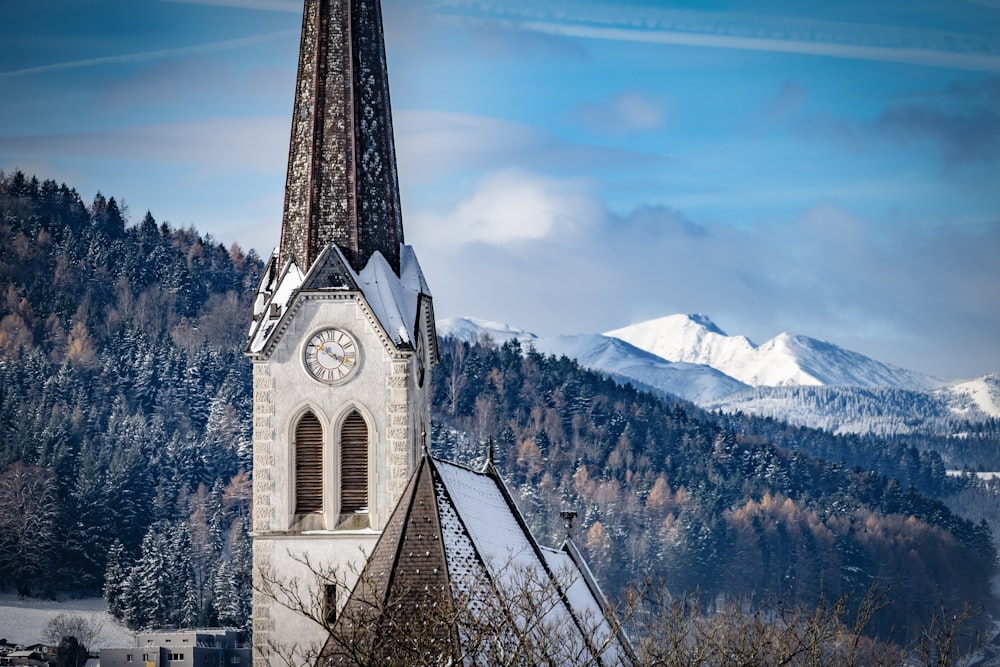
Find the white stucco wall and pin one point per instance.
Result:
(384, 392)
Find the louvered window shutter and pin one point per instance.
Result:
(354, 465)
(308, 465)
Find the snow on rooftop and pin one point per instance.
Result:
(394, 305)
(263, 292)
(493, 529)
(477, 499)
(262, 327)
(393, 299)
(582, 599)
(410, 273)
(290, 282)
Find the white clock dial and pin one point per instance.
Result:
(331, 355)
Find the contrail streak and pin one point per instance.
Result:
(915, 56)
(150, 55)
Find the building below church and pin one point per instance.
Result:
(181, 648)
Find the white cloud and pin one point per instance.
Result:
(510, 207)
(431, 144)
(199, 82)
(869, 285)
(639, 112)
(437, 147)
(757, 29)
(628, 112)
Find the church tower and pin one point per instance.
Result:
(342, 338)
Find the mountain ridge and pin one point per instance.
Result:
(792, 377)
(786, 359)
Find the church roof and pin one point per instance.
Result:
(457, 547)
(394, 299)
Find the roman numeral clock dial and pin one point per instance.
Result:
(331, 356)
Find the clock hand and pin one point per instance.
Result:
(321, 349)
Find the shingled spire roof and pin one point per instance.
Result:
(457, 574)
(342, 230)
(342, 186)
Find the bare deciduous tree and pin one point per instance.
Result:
(675, 632)
(516, 616)
(949, 637)
(514, 619)
(87, 631)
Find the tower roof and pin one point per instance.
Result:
(342, 186)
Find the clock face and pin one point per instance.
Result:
(331, 355)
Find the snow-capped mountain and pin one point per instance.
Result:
(469, 329)
(794, 378)
(625, 362)
(969, 397)
(785, 360)
(615, 358)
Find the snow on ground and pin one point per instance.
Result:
(24, 621)
(985, 476)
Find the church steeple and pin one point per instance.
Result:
(342, 339)
(342, 186)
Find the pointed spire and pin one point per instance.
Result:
(488, 467)
(342, 186)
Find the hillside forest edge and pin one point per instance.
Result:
(125, 449)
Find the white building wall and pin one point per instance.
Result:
(383, 390)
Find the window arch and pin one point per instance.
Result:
(308, 465)
(354, 464)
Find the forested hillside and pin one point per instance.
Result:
(125, 415)
(124, 403)
(926, 419)
(666, 490)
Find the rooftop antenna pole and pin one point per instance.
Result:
(568, 516)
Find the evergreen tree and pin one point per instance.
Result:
(115, 577)
(71, 653)
(29, 514)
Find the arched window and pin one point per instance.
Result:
(354, 464)
(308, 465)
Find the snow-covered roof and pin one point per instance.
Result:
(410, 273)
(394, 300)
(467, 522)
(272, 300)
(394, 305)
(514, 559)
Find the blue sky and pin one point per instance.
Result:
(572, 166)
